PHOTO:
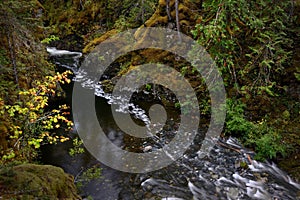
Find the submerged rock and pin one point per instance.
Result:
(31, 181)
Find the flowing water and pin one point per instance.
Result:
(228, 172)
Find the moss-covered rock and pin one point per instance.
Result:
(31, 181)
(91, 45)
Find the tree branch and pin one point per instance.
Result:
(177, 19)
(168, 9)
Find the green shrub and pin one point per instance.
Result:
(269, 146)
(260, 135)
(50, 39)
(250, 45)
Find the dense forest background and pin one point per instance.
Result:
(255, 45)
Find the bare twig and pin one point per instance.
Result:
(17, 143)
(249, 158)
(228, 147)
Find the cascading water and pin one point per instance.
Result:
(228, 172)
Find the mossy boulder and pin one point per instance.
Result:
(31, 181)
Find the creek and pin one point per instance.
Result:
(228, 172)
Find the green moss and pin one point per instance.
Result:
(244, 165)
(156, 20)
(88, 48)
(29, 181)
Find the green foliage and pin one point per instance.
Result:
(244, 165)
(252, 48)
(25, 92)
(31, 123)
(260, 136)
(148, 87)
(50, 39)
(122, 23)
(77, 147)
(269, 145)
(248, 42)
(9, 156)
(235, 119)
(91, 173)
(87, 175)
(3, 58)
(133, 13)
(183, 70)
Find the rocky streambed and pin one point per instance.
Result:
(228, 171)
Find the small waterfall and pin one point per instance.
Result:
(61, 58)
